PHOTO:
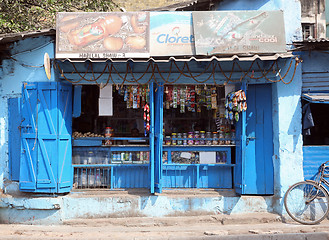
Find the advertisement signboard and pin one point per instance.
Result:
(171, 34)
(102, 35)
(239, 32)
(156, 34)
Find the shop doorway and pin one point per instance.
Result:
(258, 166)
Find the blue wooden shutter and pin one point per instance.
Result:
(29, 150)
(47, 123)
(46, 138)
(65, 169)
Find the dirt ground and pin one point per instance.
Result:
(160, 228)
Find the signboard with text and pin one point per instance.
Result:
(236, 32)
(151, 34)
(171, 33)
(102, 35)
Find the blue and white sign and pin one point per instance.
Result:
(171, 34)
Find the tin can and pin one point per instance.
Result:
(190, 136)
(197, 138)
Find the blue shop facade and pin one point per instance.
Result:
(160, 122)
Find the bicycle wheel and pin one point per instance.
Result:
(306, 202)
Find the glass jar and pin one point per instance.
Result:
(221, 138)
(168, 140)
(184, 138)
(202, 136)
(197, 136)
(173, 139)
(227, 138)
(179, 140)
(190, 136)
(233, 136)
(215, 138)
(208, 136)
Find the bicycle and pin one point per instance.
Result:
(307, 202)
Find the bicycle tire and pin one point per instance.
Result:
(295, 202)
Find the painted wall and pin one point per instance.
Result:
(26, 64)
(287, 138)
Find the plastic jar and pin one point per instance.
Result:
(197, 136)
(184, 138)
(173, 139)
(221, 138)
(209, 139)
(168, 141)
(215, 138)
(179, 140)
(233, 136)
(190, 136)
(203, 136)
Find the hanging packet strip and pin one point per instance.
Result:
(182, 100)
(192, 99)
(175, 96)
(134, 95)
(213, 98)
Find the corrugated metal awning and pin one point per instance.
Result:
(192, 58)
(316, 97)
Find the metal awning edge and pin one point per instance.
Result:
(316, 97)
(192, 58)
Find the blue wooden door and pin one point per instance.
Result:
(257, 166)
(47, 123)
(65, 168)
(46, 141)
(29, 149)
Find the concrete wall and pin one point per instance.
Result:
(26, 65)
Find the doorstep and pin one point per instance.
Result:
(89, 203)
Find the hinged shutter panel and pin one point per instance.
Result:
(29, 149)
(46, 138)
(65, 169)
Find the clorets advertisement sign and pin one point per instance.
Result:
(152, 34)
(171, 33)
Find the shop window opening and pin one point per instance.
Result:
(315, 123)
(110, 138)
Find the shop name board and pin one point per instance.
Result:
(148, 34)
